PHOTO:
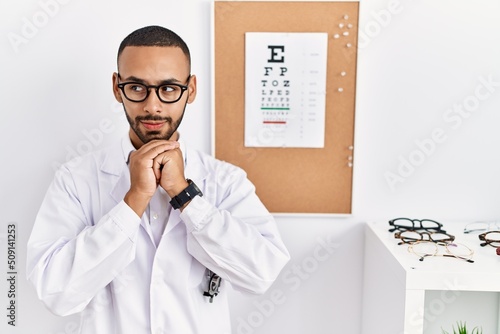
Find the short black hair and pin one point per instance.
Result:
(154, 36)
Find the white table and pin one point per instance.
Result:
(395, 281)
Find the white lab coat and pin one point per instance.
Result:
(89, 253)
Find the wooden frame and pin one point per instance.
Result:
(289, 180)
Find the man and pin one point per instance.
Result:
(136, 238)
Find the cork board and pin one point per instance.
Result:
(289, 180)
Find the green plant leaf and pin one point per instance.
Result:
(462, 329)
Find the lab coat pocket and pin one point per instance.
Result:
(198, 275)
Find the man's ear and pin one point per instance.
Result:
(116, 90)
(192, 89)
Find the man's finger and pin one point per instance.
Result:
(152, 149)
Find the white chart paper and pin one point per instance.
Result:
(285, 87)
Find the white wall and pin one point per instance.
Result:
(417, 60)
(422, 66)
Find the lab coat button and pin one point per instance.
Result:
(155, 216)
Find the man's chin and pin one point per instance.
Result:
(154, 135)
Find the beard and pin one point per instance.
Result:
(147, 136)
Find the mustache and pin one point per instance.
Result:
(153, 118)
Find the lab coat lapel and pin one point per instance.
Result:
(121, 186)
(195, 170)
(173, 219)
(115, 164)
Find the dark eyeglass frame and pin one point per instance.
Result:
(406, 240)
(491, 242)
(156, 88)
(414, 227)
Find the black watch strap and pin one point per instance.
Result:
(186, 195)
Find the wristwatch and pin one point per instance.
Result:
(186, 195)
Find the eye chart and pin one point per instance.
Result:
(285, 87)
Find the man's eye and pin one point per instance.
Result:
(167, 89)
(137, 88)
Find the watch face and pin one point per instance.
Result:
(194, 187)
(186, 195)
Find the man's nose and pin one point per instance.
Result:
(152, 103)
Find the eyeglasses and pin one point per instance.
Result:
(139, 92)
(478, 227)
(427, 248)
(408, 237)
(491, 238)
(406, 224)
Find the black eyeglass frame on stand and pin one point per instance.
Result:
(408, 224)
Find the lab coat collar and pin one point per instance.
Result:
(195, 170)
(116, 163)
(116, 159)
